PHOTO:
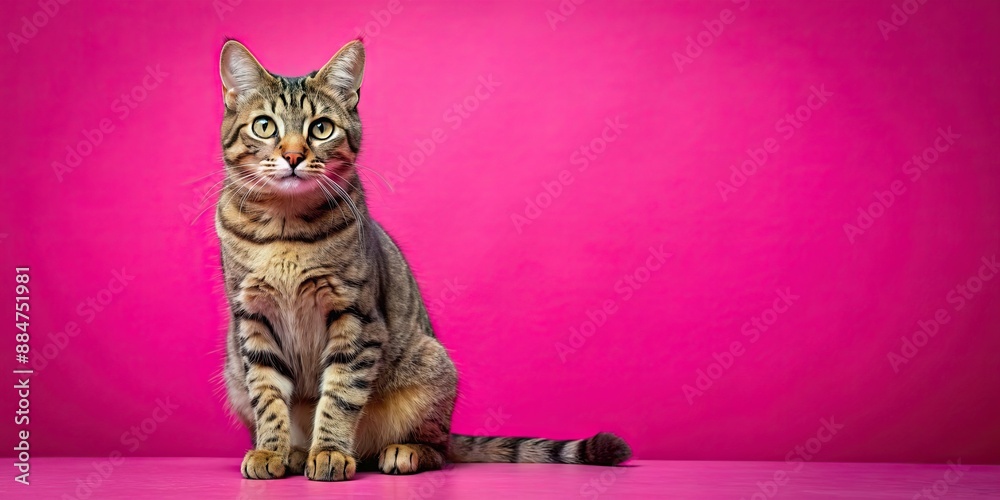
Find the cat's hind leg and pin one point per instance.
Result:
(296, 461)
(425, 448)
(407, 429)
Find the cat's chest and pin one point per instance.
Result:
(295, 288)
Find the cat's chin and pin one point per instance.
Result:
(294, 185)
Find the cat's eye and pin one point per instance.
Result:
(321, 129)
(264, 127)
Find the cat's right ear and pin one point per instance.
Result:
(241, 73)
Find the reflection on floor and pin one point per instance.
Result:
(220, 478)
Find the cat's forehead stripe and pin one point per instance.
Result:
(292, 91)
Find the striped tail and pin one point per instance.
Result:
(603, 449)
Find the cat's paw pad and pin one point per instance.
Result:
(297, 462)
(263, 464)
(323, 465)
(399, 459)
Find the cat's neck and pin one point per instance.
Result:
(343, 203)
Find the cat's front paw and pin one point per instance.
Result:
(327, 465)
(263, 464)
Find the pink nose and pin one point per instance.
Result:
(293, 158)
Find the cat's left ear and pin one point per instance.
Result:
(345, 71)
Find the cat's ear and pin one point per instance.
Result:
(345, 71)
(241, 73)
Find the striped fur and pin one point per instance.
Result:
(603, 449)
(331, 361)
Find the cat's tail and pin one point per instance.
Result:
(603, 449)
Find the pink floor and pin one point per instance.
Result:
(219, 478)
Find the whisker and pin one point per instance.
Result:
(220, 190)
(352, 206)
(260, 180)
(376, 172)
(197, 179)
(348, 198)
(211, 191)
(378, 189)
(332, 198)
(196, 217)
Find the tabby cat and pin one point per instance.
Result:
(331, 361)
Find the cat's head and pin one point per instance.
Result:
(290, 136)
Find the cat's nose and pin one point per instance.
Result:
(293, 158)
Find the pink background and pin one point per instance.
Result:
(517, 291)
